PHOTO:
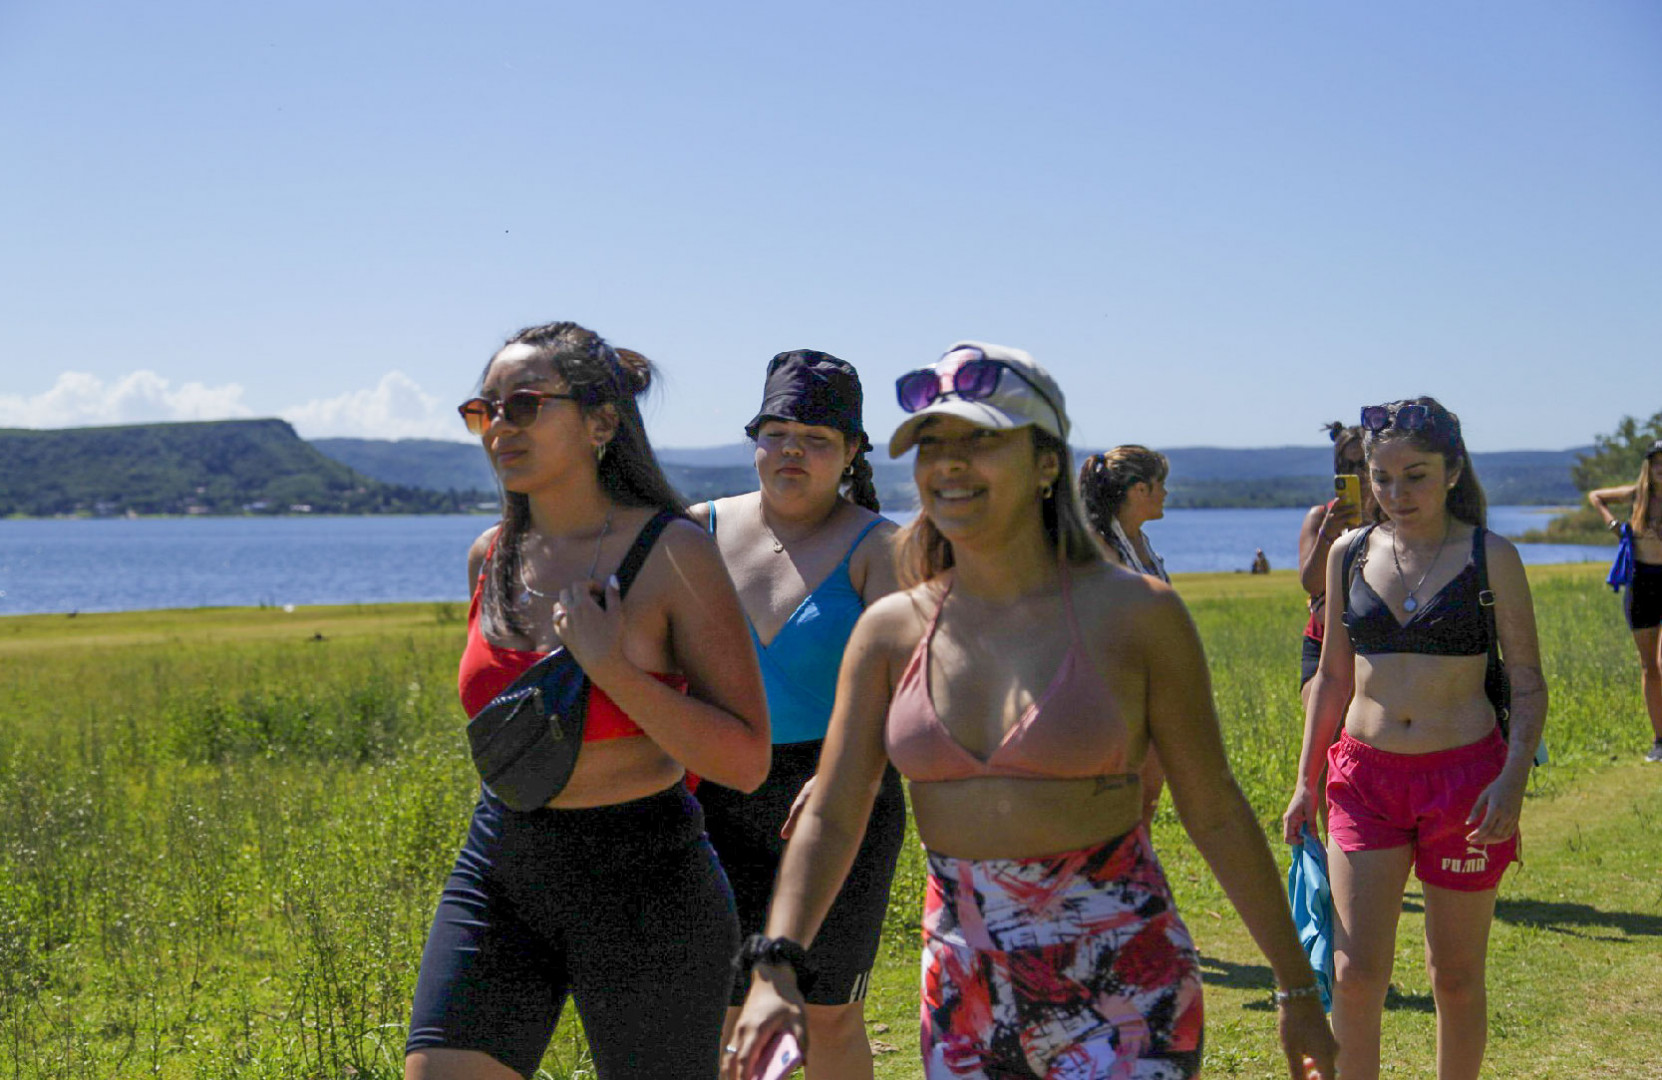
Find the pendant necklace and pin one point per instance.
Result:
(531, 590)
(1410, 603)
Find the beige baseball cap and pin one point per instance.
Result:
(991, 386)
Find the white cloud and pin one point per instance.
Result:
(394, 408)
(79, 399)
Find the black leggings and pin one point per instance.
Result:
(623, 907)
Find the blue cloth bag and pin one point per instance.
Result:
(1312, 899)
(1621, 571)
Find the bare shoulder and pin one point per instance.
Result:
(1501, 555)
(878, 543)
(894, 623)
(477, 554)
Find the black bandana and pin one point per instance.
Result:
(812, 388)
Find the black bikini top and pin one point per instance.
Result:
(1450, 623)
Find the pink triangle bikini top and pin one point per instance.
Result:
(1072, 731)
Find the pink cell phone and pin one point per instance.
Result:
(779, 1058)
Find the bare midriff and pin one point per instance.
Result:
(617, 771)
(1007, 817)
(1410, 703)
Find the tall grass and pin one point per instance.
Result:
(221, 840)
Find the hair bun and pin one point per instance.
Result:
(635, 369)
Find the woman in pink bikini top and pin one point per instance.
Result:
(1017, 683)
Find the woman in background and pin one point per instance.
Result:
(610, 894)
(808, 553)
(1421, 776)
(1016, 683)
(1642, 599)
(1122, 489)
(1322, 525)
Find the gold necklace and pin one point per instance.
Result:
(531, 590)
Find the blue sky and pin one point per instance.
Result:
(1215, 223)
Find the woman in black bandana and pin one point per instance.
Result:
(808, 552)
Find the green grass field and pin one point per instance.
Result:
(222, 834)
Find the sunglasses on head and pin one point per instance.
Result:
(1376, 418)
(975, 380)
(519, 408)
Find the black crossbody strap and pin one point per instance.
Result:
(640, 549)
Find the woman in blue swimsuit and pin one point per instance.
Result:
(808, 553)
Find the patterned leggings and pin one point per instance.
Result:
(1063, 967)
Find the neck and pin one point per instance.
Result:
(1130, 521)
(1426, 532)
(1017, 565)
(577, 507)
(791, 519)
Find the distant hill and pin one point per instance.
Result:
(220, 467)
(1201, 476)
(433, 464)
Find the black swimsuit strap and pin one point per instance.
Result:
(635, 558)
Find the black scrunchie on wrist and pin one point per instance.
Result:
(761, 949)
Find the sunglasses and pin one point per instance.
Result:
(519, 408)
(975, 380)
(1376, 418)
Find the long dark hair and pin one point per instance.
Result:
(628, 471)
(923, 553)
(1104, 480)
(1440, 435)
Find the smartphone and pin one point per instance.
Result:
(779, 1058)
(1347, 487)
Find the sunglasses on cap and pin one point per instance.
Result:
(519, 408)
(975, 380)
(1376, 418)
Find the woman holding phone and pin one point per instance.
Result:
(808, 552)
(1351, 504)
(1017, 683)
(1642, 597)
(610, 893)
(1420, 776)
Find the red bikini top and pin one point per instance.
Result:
(1071, 731)
(486, 670)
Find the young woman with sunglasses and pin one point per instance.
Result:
(1323, 525)
(1642, 598)
(1122, 489)
(1420, 777)
(809, 552)
(610, 893)
(1017, 683)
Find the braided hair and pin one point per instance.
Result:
(628, 472)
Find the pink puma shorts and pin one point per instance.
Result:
(1378, 800)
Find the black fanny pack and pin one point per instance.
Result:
(525, 742)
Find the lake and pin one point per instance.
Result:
(131, 565)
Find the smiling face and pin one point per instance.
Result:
(560, 438)
(972, 478)
(1410, 485)
(801, 461)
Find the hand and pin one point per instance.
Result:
(1308, 1042)
(1497, 809)
(1301, 811)
(593, 634)
(801, 800)
(773, 1004)
(1337, 519)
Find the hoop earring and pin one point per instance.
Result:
(1044, 492)
(848, 471)
(600, 453)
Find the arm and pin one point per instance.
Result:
(1184, 729)
(1315, 540)
(719, 727)
(1602, 496)
(829, 834)
(1330, 693)
(1496, 812)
